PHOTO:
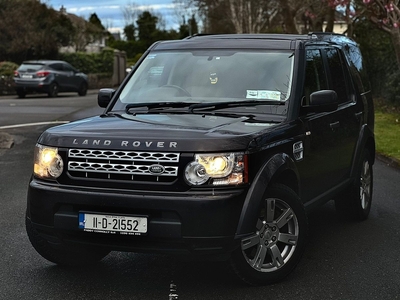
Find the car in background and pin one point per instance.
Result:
(50, 77)
(129, 69)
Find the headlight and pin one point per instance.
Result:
(218, 169)
(48, 164)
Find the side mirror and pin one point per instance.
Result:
(104, 97)
(322, 101)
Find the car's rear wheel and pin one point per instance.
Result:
(278, 242)
(355, 202)
(83, 89)
(53, 90)
(61, 254)
(21, 94)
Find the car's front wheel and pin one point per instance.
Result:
(63, 255)
(275, 247)
(53, 90)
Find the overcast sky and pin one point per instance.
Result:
(110, 11)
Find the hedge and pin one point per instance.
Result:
(91, 63)
(7, 69)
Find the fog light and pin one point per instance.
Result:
(196, 174)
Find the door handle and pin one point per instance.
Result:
(335, 125)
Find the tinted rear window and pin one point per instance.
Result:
(30, 67)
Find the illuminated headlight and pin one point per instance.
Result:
(217, 169)
(48, 164)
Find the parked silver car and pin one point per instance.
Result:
(50, 77)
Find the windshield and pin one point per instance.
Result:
(212, 76)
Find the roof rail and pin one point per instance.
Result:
(324, 35)
(198, 34)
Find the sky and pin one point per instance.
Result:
(110, 12)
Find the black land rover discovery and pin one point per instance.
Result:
(213, 145)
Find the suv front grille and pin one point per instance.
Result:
(123, 165)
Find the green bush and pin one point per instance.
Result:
(378, 52)
(392, 88)
(91, 63)
(137, 57)
(7, 68)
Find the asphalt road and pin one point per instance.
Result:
(343, 260)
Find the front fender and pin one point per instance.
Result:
(254, 198)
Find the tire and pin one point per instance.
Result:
(21, 94)
(83, 89)
(61, 254)
(355, 202)
(278, 242)
(53, 90)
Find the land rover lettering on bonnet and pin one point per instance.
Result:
(128, 144)
(215, 145)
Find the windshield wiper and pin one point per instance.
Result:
(157, 105)
(220, 105)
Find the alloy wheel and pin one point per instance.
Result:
(275, 240)
(365, 185)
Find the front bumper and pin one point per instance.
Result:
(202, 222)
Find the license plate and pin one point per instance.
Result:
(113, 224)
(26, 76)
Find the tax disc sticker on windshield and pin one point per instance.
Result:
(263, 94)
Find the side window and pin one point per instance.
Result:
(315, 77)
(340, 78)
(57, 67)
(67, 68)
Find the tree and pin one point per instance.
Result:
(256, 16)
(385, 14)
(189, 28)
(193, 27)
(185, 10)
(95, 21)
(85, 31)
(288, 10)
(130, 13)
(316, 14)
(379, 55)
(29, 29)
(147, 27)
(212, 13)
(251, 16)
(95, 29)
(130, 32)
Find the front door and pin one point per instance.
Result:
(330, 136)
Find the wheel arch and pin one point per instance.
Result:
(287, 177)
(366, 140)
(280, 168)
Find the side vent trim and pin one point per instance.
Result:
(298, 151)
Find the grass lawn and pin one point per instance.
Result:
(387, 133)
